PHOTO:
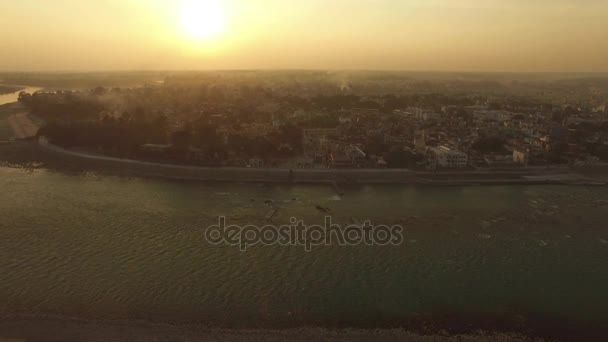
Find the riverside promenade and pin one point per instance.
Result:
(329, 176)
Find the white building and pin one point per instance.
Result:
(256, 163)
(344, 119)
(446, 157)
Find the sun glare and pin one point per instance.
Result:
(202, 19)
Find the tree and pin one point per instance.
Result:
(602, 152)
(518, 117)
(557, 153)
(491, 144)
(400, 158)
(181, 140)
(291, 135)
(98, 91)
(24, 97)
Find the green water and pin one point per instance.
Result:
(118, 248)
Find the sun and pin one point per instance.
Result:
(202, 19)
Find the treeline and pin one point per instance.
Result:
(194, 142)
(122, 135)
(62, 105)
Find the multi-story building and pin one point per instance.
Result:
(445, 157)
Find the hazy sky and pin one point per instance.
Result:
(434, 35)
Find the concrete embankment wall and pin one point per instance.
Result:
(326, 176)
(236, 174)
(228, 174)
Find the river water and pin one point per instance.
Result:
(13, 97)
(129, 248)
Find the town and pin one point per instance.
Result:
(320, 120)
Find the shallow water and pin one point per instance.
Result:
(13, 97)
(129, 248)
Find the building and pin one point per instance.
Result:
(445, 157)
(428, 115)
(358, 157)
(256, 163)
(349, 156)
(316, 142)
(601, 108)
(396, 140)
(422, 114)
(420, 141)
(403, 114)
(344, 119)
(521, 157)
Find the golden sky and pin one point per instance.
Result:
(432, 35)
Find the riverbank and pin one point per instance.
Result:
(12, 93)
(66, 329)
(332, 176)
(31, 155)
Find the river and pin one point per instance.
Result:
(13, 97)
(103, 247)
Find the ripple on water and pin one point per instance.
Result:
(114, 248)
